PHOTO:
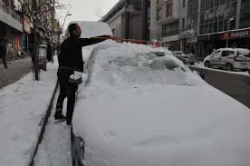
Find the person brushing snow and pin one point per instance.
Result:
(70, 61)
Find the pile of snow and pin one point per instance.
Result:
(92, 29)
(126, 118)
(22, 107)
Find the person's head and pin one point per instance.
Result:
(75, 30)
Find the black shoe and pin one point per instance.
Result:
(59, 117)
(68, 123)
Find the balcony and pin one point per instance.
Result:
(10, 18)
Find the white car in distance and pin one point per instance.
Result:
(229, 59)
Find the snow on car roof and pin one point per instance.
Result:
(92, 28)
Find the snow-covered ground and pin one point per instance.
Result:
(55, 149)
(22, 107)
(201, 65)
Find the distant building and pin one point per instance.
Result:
(129, 19)
(208, 24)
(164, 23)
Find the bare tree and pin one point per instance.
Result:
(42, 15)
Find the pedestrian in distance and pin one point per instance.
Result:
(49, 52)
(70, 60)
(3, 52)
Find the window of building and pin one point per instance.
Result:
(245, 13)
(159, 14)
(183, 3)
(183, 24)
(170, 29)
(169, 9)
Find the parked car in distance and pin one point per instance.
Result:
(229, 59)
(186, 58)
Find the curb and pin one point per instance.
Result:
(44, 124)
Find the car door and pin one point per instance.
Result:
(226, 57)
(216, 58)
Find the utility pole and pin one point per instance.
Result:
(35, 56)
(53, 29)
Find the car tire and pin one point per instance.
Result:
(77, 151)
(229, 67)
(207, 64)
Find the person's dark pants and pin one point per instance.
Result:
(66, 90)
(4, 60)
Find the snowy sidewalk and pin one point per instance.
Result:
(22, 106)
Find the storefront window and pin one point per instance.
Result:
(170, 29)
(215, 15)
(245, 13)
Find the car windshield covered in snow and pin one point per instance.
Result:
(116, 66)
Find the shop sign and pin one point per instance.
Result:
(220, 11)
(188, 33)
(241, 34)
(26, 24)
(237, 34)
(16, 43)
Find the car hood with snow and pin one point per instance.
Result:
(131, 115)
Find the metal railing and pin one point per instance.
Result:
(9, 11)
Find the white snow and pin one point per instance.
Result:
(174, 118)
(201, 65)
(92, 28)
(55, 149)
(22, 106)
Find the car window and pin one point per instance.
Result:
(216, 54)
(139, 69)
(227, 53)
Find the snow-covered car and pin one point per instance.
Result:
(229, 59)
(138, 108)
(186, 58)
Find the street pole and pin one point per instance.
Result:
(34, 56)
(228, 24)
(53, 30)
(228, 29)
(67, 14)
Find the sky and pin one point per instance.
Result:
(84, 10)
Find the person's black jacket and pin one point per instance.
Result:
(70, 56)
(3, 50)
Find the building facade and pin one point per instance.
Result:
(210, 24)
(11, 26)
(16, 24)
(129, 19)
(164, 23)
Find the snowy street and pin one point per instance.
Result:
(55, 148)
(16, 70)
(234, 83)
(22, 107)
